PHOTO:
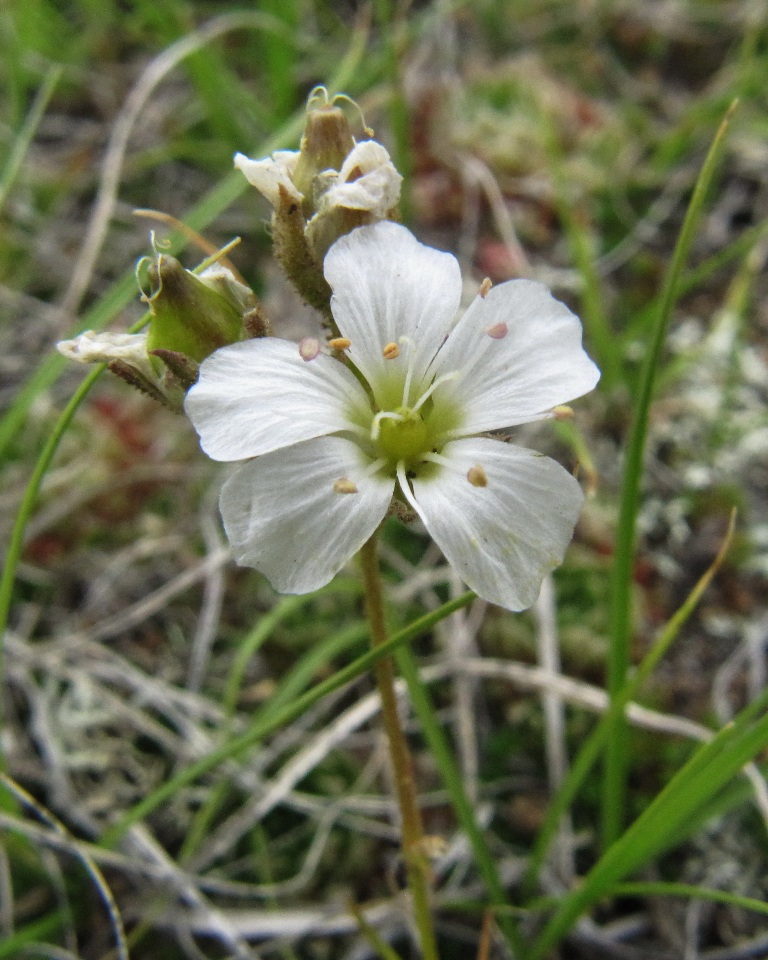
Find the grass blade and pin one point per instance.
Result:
(689, 890)
(662, 825)
(591, 750)
(27, 132)
(617, 754)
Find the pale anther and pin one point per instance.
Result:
(485, 288)
(563, 412)
(391, 351)
(477, 476)
(498, 331)
(340, 343)
(344, 485)
(309, 348)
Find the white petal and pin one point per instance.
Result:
(387, 285)
(259, 395)
(376, 187)
(104, 347)
(502, 538)
(519, 375)
(269, 174)
(284, 517)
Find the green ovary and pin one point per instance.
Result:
(405, 439)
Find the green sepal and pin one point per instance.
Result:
(188, 317)
(136, 378)
(179, 365)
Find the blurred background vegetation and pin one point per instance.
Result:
(557, 139)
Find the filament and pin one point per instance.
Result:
(433, 386)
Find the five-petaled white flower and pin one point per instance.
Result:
(405, 417)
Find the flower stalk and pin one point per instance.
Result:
(417, 867)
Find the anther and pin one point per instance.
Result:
(485, 288)
(477, 476)
(498, 331)
(563, 412)
(340, 343)
(344, 485)
(391, 351)
(309, 348)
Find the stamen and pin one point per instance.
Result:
(451, 375)
(477, 476)
(391, 351)
(309, 348)
(498, 331)
(485, 288)
(407, 342)
(383, 415)
(563, 412)
(344, 485)
(340, 343)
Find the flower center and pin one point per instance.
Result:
(403, 435)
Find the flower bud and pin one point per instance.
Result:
(326, 144)
(190, 316)
(322, 192)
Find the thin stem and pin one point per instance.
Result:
(402, 766)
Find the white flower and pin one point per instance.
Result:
(333, 443)
(367, 179)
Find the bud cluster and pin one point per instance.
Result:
(331, 185)
(326, 189)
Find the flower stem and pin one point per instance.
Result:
(412, 831)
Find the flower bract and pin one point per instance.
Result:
(329, 442)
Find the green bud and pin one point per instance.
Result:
(188, 316)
